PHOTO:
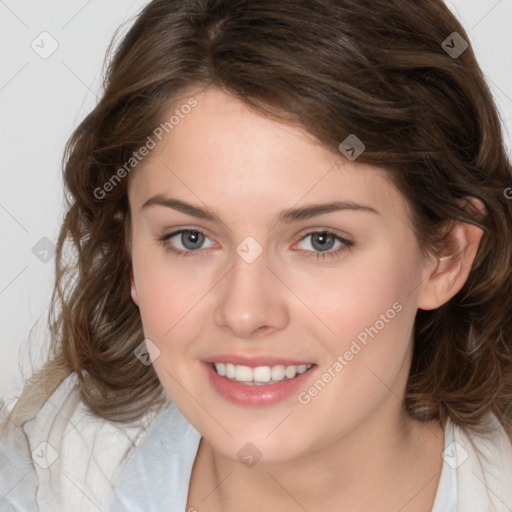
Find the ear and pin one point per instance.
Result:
(133, 289)
(448, 274)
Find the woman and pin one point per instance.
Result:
(292, 273)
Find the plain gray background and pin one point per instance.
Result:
(44, 96)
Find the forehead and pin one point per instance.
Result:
(223, 153)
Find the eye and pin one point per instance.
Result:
(189, 242)
(184, 242)
(323, 241)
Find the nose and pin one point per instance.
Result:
(251, 299)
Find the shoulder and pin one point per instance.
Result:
(484, 468)
(77, 456)
(164, 461)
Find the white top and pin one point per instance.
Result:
(76, 461)
(157, 476)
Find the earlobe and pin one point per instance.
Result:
(133, 289)
(451, 271)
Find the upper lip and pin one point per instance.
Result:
(255, 361)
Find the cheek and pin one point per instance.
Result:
(160, 292)
(366, 298)
(172, 296)
(368, 314)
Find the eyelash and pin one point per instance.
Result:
(347, 244)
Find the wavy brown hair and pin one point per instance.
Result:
(374, 68)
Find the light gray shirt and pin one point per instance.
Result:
(64, 458)
(157, 476)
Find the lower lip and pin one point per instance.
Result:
(245, 394)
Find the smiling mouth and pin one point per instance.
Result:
(260, 375)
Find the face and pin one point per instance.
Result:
(253, 283)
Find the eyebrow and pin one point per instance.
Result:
(286, 216)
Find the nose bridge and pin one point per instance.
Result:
(250, 299)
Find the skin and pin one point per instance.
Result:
(351, 447)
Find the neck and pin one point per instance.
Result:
(392, 462)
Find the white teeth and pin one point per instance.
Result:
(277, 372)
(260, 374)
(291, 371)
(221, 369)
(243, 373)
(230, 371)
